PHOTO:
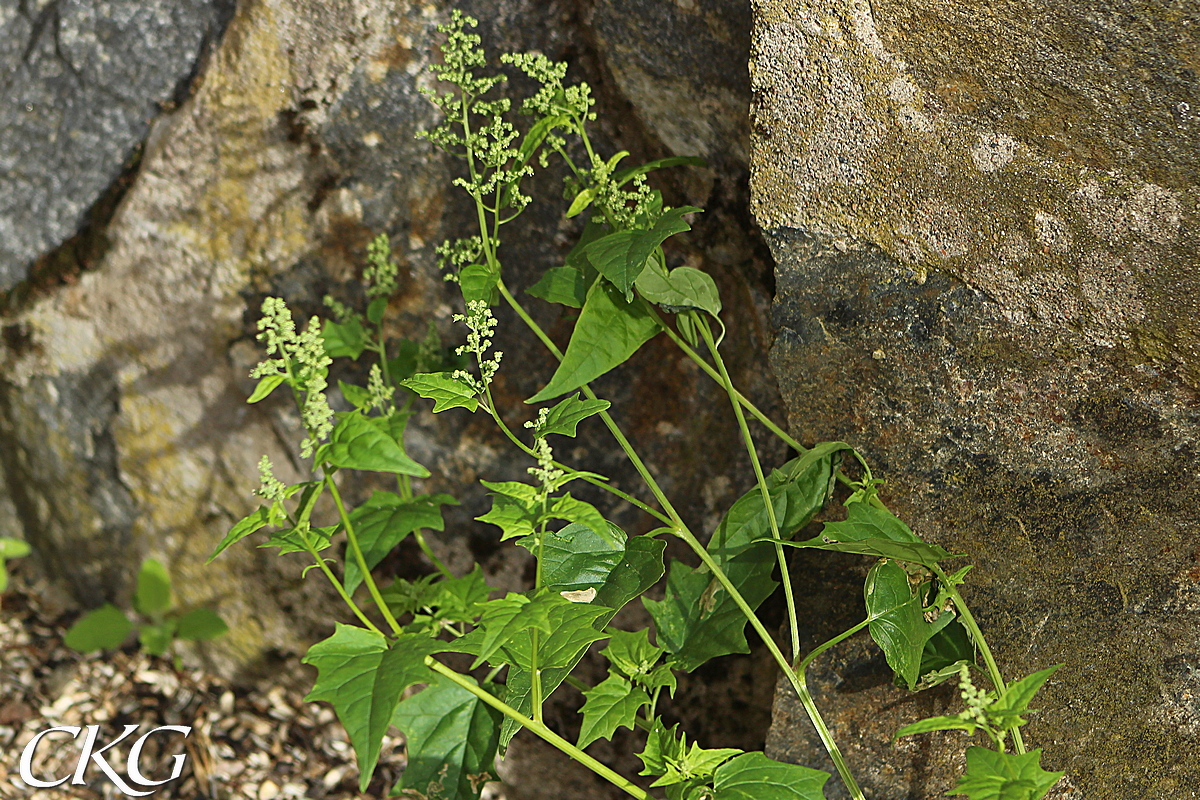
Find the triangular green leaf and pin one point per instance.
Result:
(621, 256)
(796, 494)
(577, 558)
(566, 416)
(609, 330)
(1005, 776)
(505, 619)
(574, 626)
(899, 626)
(611, 704)
(681, 288)
(363, 679)
(444, 389)
(564, 285)
(346, 339)
(639, 568)
(626, 175)
(254, 521)
(632, 653)
(1007, 710)
(872, 531)
(361, 443)
(516, 508)
(479, 283)
(753, 776)
(572, 510)
(451, 737)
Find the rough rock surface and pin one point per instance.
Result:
(80, 83)
(985, 225)
(124, 430)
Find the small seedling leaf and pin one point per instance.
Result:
(102, 629)
(200, 625)
(155, 638)
(153, 594)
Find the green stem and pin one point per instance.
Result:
(968, 620)
(682, 531)
(419, 535)
(490, 407)
(540, 729)
(797, 681)
(358, 557)
(764, 490)
(342, 592)
(841, 637)
(535, 673)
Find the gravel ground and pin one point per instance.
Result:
(261, 742)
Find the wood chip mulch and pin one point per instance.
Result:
(257, 743)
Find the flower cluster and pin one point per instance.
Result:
(302, 358)
(481, 324)
(270, 487)
(545, 472)
(380, 273)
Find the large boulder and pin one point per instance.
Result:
(985, 225)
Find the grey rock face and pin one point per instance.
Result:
(986, 283)
(80, 83)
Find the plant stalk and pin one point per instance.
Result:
(547, 735)
(764, 490)
(358, 556)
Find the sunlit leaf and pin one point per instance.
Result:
(609, 330)
(346, 339)
(621, 255)
(444, 389)
(254, 521)
(611, 704)
(102, 629)
(566, 416)
(872, 531)
(266, 385)
(899, 628)
(363, 679)
(359, 443)
(753, 776)
(1007, 710)
(1005, 776)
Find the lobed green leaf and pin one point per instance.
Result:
(565, 285)
(611, 704)
(451, 738)
(444, 389)
(384, 521)
(565, 417)
(363, 678)
(1005, 776)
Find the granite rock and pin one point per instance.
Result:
(82, 80)
(984, 222)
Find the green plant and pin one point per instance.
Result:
(586, 567)
(10, 548)
(160, 624)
